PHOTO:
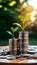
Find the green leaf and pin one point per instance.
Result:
(27, 24)
(1, 6)
(17, 24)
(12, 3)
(17, 9)
(16, 29)
(12, 29)
(21, 18)
(9, 32)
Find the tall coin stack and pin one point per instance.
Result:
(24, 41)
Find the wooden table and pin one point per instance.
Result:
(29, 61)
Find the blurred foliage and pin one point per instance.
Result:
(9, 11)
(7, 15)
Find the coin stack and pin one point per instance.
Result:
(24, 41)
(13, 46)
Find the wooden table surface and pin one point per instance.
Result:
(29, 61)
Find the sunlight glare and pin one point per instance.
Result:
(33, 14)
(33, 3)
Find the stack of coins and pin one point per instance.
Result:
(20, 45)
(13, 46)
(24, 41)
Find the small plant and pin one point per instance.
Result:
(13, 30)
(24, 22)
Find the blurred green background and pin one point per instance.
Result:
(8, 15)
(32, 41)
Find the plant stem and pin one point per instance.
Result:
(13, 35)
